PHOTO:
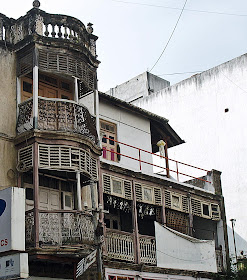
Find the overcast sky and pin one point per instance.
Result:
(132, 36)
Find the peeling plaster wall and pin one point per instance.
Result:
(214, 138)
(7, 118)
(133, 130)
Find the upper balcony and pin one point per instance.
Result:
(39, 26)
(58, 115)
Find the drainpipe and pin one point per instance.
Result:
(18, 95)
(35, 89)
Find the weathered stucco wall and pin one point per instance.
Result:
(215, 137)
(7, 118)
(133, 130)
(138, 87)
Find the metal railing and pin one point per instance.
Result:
(155, 165)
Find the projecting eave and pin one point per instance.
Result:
(160, 129)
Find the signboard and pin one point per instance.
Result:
(14, 266)
(12, 219)
(84, 264)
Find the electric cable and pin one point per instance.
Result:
(170, 36)
(234, 83)
(184, 259)
(173, 8)
(180, 73)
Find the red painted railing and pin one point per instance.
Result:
(155, 165)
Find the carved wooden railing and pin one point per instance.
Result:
(147, 249)
(58, 115)
(29, 227)
(120, 245)
(47, 25)
(60, 227)
(65, 227)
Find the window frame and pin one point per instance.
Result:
(109, 150)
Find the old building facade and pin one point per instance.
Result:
(85, 160)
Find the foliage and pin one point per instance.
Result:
(233, 275)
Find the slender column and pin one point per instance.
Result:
(93, 199)
(100, 193)
(78, 177)
(167, 161)
(1, 29)
(190, 215)
(96, 110)
(35, 95)
(163, 153)
(18, 95)
(76, 96)
(163, 208)
(135, 224)
(19, 180)
(36, 193)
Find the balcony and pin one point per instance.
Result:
(60, 27)
(121, 246)
(60, 228)
(57, 115)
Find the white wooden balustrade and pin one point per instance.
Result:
(147, 249)
(120, 245)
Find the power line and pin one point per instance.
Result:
(180, 73)
(170, 36)
(187, 260)
(173, 8)
(234, 83)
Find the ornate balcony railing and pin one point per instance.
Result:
(58, 115)
(147, 249)
(60, 228)
(55, 26)
(29, 227)
(120, 245)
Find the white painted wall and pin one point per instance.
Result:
(133, 130)
(214, 139)
(179, 251)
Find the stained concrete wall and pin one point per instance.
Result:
(7, 118)
(138, 87)
(133, 130)
(215, 137)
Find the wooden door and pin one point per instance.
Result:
(48, 92)
(48, 199)
(26, 88)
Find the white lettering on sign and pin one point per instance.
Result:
(84, 264)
